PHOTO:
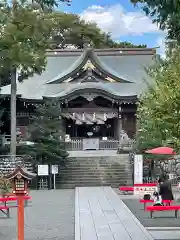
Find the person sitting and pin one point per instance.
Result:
(165, 189)
(157, 199)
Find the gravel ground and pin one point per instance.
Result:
(50, 216)
(161, 219)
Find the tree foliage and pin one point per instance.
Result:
(24, 37)
(165, 13)
(70, 29)
(159, 108)
(46, 131)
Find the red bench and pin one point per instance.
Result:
(9, 199)
(126, 189)
(152, 209)
(151, 201)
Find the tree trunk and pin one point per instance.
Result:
(13, 114)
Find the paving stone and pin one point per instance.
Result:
(100, 214)
(51, 217)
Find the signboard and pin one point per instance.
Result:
(54, 169)
(43, 170)
(146, 188)
(138, 169)
(172, 176)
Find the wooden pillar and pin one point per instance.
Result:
(20, 218)
(119, 122)
(119, 127)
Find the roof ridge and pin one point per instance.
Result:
(102, 49)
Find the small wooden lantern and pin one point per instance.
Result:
(20, 178)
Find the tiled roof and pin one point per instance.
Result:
(127, 64)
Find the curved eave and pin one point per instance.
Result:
(105, 69)
(80, 62)
(9, 95)
(97, 91)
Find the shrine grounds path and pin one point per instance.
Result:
(50, 216)
(163, 226)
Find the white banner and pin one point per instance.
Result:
(142, 190)
(43, 170)
(138, 169)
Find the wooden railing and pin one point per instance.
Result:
(111, 144)
(77, 144)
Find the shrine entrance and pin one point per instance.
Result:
(94, 130)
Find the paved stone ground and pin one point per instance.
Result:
(162, 219)
(101, 215)
(49, 217)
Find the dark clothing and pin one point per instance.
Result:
(158, 204)
(165, 191)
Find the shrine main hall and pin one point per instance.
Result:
(97, 90)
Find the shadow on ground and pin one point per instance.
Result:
(161, 219)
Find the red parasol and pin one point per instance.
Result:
(161, 151)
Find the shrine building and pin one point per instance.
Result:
(97, 89)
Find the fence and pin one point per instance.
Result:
(111, 144)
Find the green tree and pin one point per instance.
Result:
(25, 35)
(69, 29)
(46, 132)
(159, 108)
(165, 13)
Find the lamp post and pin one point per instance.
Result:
(19, 178)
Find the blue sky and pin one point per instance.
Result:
(121, 18)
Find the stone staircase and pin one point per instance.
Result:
(95, 171)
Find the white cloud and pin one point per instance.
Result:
(118, 22)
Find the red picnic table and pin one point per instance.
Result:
(5, 208)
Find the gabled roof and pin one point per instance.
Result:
(23, 172)
(122, 64)
(80, 63)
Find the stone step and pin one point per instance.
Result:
(73, 185)
(91, 174)
(95, 182)
(95, 171)
(99, 161)
(92, 179)
(92, 169)
(66, 176)
(87, 166)
(102, 160)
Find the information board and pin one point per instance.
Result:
(43, 170)
(54, 169)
